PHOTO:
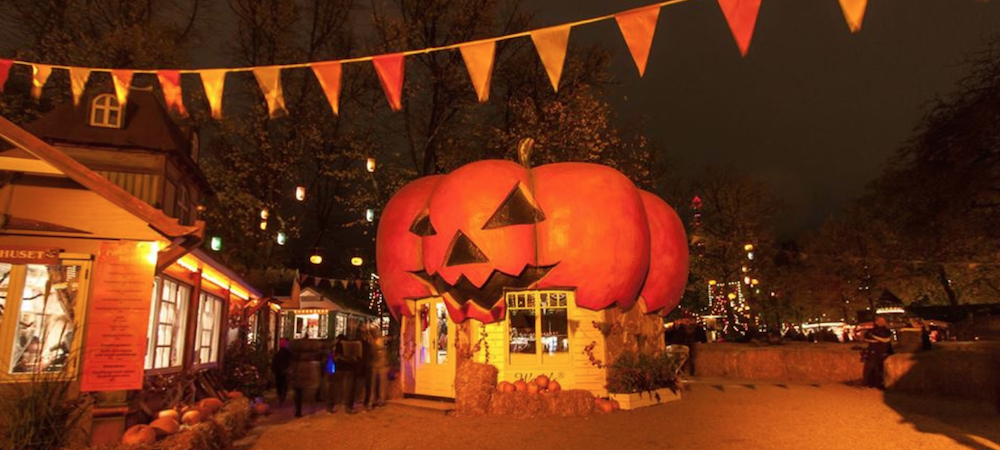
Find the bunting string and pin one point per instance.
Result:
(637, 27)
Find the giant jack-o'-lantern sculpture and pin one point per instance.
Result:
(493, 225)
(492, 228)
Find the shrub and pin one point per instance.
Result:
(633, 373)
(39, 414)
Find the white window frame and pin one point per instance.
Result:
(211, 331)
(178, 329)
(100, 111)
(12, 308)
(534, 302)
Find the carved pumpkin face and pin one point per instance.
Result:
(492, 226)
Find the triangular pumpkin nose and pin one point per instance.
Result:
(463, 251)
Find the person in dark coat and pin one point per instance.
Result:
(346, 357)
(879, 340)
(306, 372)
(281, 366)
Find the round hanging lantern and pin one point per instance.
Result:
(492, 226)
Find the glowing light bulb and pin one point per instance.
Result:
(300, 193)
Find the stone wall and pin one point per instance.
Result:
(968, 370)
(797, 362)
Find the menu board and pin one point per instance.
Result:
(117, 317)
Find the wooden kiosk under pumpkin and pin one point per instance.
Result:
(549, 270)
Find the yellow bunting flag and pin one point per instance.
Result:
(390, 74)
(637, 28)
(123, 82)
(214, 82)
(551, 45)
(854, 12)
(5, 65)
(170, 83)
(742, 18)
(328, 75)
(269, 80)
(479, 62)
(39, 75)
(78, 77)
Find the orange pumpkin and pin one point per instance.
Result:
(532, 388)
(502, 387)
(192, 417)
(509, 387)
(169, 413)
(165, 426)
(520, 385)
(615, 405)
(139, 434)
(542, 381)
(492, 226)
(234, 395)
(210, 405)
(554, 386)
(261, 409)
(604, 406)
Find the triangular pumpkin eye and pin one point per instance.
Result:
(422, 225)
(515, 210)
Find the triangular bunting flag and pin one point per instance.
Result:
(357, 283)
(214, 82)
(551, 45)
(5, 65)
(39, 75)
(269, 80)
(854, 12)
(479, 62)
(742, 18)
(78, 77)
(170, 83)
(343, 283)
(328, 75)
(390, 73)
(637, 28)
(123, 81)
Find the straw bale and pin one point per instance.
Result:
(524, 405)
(571, 403)
(234, 417)
(474, 385)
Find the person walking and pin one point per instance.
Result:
(375, 395)
(281, 366)
(879, 340)
(346, 358)
(306, 370)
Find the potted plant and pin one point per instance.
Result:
(639, 380)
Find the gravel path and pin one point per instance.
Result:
(712, 415)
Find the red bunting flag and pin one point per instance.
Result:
(123, 81)
(390, 74)
(39, 75)
(269, 80)
(637, 28)
(742, 18)
(214, 82)
(551, 45)
(854, 13)
(328, 75)
(170, 83)
(479, 62)
(5, 65)
(78, 77)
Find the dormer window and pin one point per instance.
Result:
(105, 112)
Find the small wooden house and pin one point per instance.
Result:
(316, 316)
(551, 270)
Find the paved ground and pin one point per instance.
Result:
(712, 415)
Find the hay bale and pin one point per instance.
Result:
(571, 403)
(475, 384)
(234, 417)
(518, 404)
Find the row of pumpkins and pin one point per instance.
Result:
(542, 384)
(168, 422)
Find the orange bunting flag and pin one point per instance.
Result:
(39, 75)
(78, 77)
(328, 75)
(390, 73)
(551, 45)
(637, 28)
(123, 81)
(170, 83)
(854, 12)
(269, 80)
(742, 18)
(5, 65)
(214, 82)
(479, 62)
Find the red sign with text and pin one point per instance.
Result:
(118, 316)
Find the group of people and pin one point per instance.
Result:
(338, 374)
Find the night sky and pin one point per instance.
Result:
(813, 109)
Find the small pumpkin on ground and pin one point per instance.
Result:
(139, 434)
(165, 426)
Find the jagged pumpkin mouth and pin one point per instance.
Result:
(488, 296)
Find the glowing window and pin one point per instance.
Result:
(106, 112)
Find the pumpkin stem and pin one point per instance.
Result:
(524, 151)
